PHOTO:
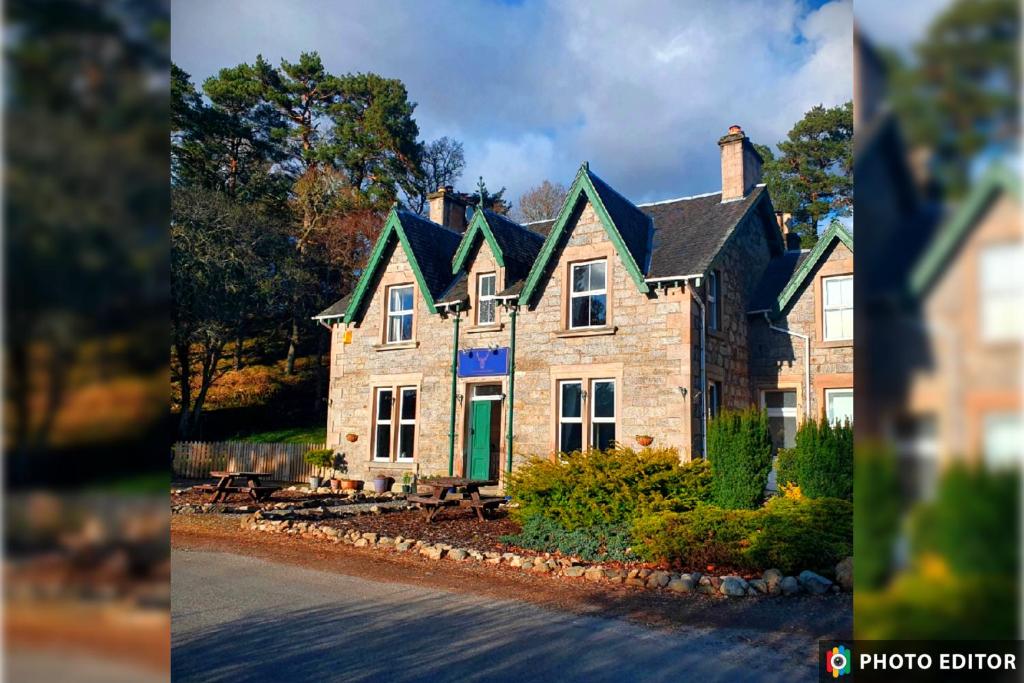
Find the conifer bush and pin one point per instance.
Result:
(740, 453)
(823, 460)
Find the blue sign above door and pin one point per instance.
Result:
(483, 362)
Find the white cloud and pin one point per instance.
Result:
(642, 89)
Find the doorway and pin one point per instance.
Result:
(484, 451)
(781, 409)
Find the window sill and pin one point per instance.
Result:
(587, 332)
(383, 465)
(478, 329)
(835, 343)
(396, 346)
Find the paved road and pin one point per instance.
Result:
(243, 619)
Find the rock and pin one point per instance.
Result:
(632, 573)
(594, 574)
(384, 540)
(574, 571)
(684, 584)
(403, 546)
(526, 564)
(362, 543)
(658, 579)
(844, 574)
(375, 509)
(733, 586)
(539, 567)
(716, 582)
(516, 561)
(814, 584)
(370, 536)
(457, 554)
(637, 582)
(789, 585)
(432, 552)
(644, 573)
(759, 585)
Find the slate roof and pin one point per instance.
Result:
(634, 224)
(335, 310)
(776, 277)
(434, 247)
(457, 292)
(519, 245)
(689, 232)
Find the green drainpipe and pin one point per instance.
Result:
(511, 383)
(455, 386)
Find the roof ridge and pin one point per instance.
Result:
(679, 199)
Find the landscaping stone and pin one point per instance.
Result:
(370, 536)
(432, 552)
(403, 546)
(594, 574)
(814, 584)
(683, 584)
(772, 579)
(733, 586)
(760, 585)
(540, 568)
(574, 571)
(516, 561)
(457, 554)
(789, 585)
(526, 564)
(716, 582)
(844, 574)
(637, 582)
(362, 543)
(658, 579)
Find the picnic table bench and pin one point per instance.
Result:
(469, 497)
(226, 485)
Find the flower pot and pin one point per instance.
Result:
(314, 483)
(350, 484)
(380, 484)
(352, 437)
(644, 440)
(335, 484)
(406, 488)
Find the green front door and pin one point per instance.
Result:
(480, 440)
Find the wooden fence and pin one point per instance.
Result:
(195, 459)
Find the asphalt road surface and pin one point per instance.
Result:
(243, 619)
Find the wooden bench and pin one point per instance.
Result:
(261, 493)
(432, 504)
(482, 503)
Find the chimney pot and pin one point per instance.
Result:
(734, 128)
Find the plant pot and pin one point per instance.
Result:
(380, 484)
(644, 440)
(335, 484)
(314, 483)
(406, 488)
(352, 437)
(350, 484)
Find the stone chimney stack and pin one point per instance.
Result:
(447, 208)
(741, 164)
(789, 238)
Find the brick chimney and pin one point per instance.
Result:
(789, 238)
(741, 164)
(447, 208)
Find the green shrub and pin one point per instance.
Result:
(876, 515)
(607, 542)
(320, 457)
(597, 488)
(785, 467)
(824, 459)
(705, 535)
(788, 534)
(803, 534)
(740, 452)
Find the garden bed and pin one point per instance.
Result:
(457, 527)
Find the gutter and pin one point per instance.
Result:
(455, 386)
(807, 361)
(703, 375)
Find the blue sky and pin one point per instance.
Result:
(642, 90)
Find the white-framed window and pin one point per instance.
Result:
(485, 303)
(400, 306)
(570, 416)
(406, 424)
(384, 402)
(588, 296)
(839, 405)
(714, 399)
(837, 307)
(1002, 287)
(781, 409)
(714, 300)
(602, 413)
(1003, 440)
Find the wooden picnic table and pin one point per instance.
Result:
(467, 494)
(226, 485)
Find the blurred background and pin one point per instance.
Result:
(87, 429)
(940, 319)
(86, 558)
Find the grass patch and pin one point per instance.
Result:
(289, 435)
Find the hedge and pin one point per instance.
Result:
(823, 459)
(740, 452)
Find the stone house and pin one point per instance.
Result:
(471, 342)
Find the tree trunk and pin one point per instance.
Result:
(293, 343)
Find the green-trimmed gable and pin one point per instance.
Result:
(835, 232)
(583, 187)
(392, 230)
(477, 226)
(998, 178)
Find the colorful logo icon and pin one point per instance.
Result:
(837, 661)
